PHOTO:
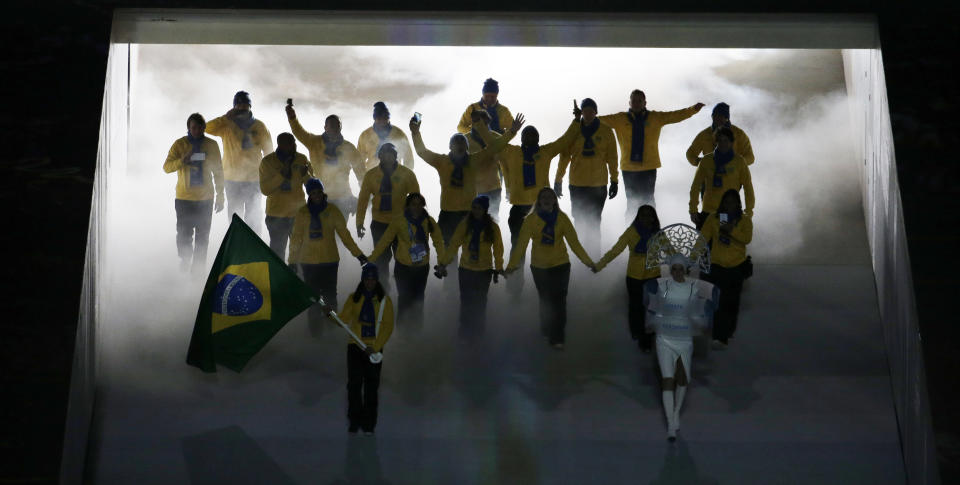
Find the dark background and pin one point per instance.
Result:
(54, 68)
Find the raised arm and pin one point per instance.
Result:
(302, 135)
(554, 148)
(704, 138)
(679, 115)
(217, 126)
(434, 159)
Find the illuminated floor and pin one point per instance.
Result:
(801, 396)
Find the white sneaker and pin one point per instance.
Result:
(558, 346)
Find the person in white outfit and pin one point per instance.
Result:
(680, 305)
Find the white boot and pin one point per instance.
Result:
(680, 393)
(670, 413)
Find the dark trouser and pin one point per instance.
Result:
(323, 279)
(245, 199)
(637, 312)
(586, 203)
(279, 229)
(363, 380)
(193, 230)
(640, 187)
(411, 285)
(474, 286)
(495, 196)
(730, 282)
(377, 229)
(515, 281)
(448, 222)
(552, 286)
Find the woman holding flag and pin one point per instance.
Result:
(547, 226)
(368, 314)
(482, 258)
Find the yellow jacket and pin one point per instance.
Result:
(369, 143)
(637, 264)
(487, 175)
(211, 169)
(620, 122)
(490, 253)
(705, 142)
(239, 164)
(737, 176)
(511, 161)
(590, 171)
(404, 182)
(728, 252)
(335, 176)
(460, 198)
(503, 115)
(546, 255)
(321, 250)
(401, 230)
(284, 196)
(350, 314)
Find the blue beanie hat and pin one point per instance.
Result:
(491, 86)
(380, 109)
(369, 271)
(313, 184)
(242, 97)
(482, 201)
(722, 109)
(587, 102)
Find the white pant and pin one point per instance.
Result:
(668, 350)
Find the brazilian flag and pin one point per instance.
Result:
(249, 296)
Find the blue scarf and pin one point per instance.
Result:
(368, 314)
(287, 160)
(477, 227)
(386, 190)
(383, 133)
(645, 234)
(476, 137)
(419, 235)
(245, 124)
(316, 225)
(195, 167)
(456, 177)
(330, 148)
(529, 165)
(721, 160)
(639, 131)
(588, 131)
(494, 117)
(548, 234)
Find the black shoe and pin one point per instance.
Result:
(353, 429)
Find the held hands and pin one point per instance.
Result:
(695, 218)
(440, 271)
(614, 187)
(361, 231)
(558, 188)
(363, 259)
(517, 123)
(576, 110)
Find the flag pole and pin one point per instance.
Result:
(375, 357)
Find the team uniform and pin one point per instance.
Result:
(389, 195)
(372, 320)
(713, 179)
(706, 141)
(482, 255)
(281, 180)
(488, 176)
(728, 255)
(332, 160)
(373, 138)
(245, 143)
(197, 181)
(638, 275)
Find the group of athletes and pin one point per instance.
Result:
(672, 294)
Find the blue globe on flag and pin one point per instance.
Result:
(236, 296)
